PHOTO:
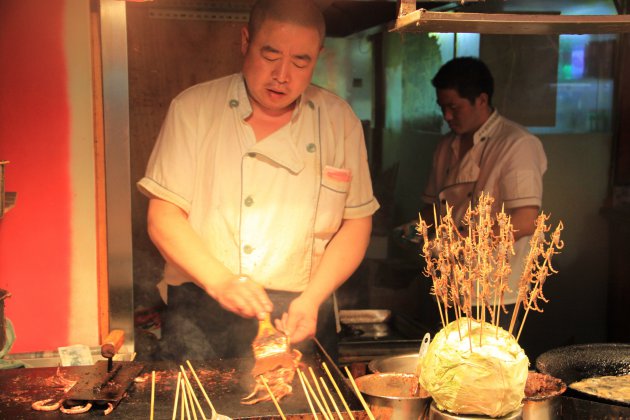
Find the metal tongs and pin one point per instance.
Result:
(271, 348)
(423, 351)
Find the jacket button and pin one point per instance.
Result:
(233, 103)
(248, 249)
(311, 147)
(249, 201)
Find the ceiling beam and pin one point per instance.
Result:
(422, 20)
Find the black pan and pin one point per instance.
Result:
(582, 361)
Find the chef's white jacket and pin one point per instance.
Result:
(264, 209)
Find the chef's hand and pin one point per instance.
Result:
(407, 232)
(300, 322)
(244, 297)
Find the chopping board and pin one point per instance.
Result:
(225, 381)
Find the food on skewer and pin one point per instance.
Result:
(275, 361)
(473, 366)
(279, 380)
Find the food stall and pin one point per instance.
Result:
(153, 387)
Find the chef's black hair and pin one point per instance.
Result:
(469, 76)
(301, 12)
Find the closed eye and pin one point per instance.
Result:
(301, 62)
(270, 54)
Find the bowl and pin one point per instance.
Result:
(404, 363)
(395, 396)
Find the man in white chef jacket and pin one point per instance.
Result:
(260, 194)
(483, 152)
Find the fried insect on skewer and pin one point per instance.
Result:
(279, 380)
(473, 269)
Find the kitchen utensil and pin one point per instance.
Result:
(542, 396)
(111, 345)
(576, 362)
(424, 346)
(107, 381)
(395, 396)
(423, 350)
(402, 363)
(364, 316)
(271, 348)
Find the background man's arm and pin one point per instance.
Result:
(523, 220)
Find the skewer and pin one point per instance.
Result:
(152, 393)
(179, 379)
(343, 401)
(356, 390)
(308, 397)
(310, 388)
(185, 400)
(332, 400)
(273, 397)
(181, 402)
(192, 392)
(321, 394)
(190, 396)
(203, 391)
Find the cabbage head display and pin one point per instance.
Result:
(488, 380)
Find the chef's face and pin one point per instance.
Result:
(462, 116)
(279, 62)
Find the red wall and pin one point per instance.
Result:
(35, 138)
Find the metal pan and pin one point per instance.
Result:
(582, 361)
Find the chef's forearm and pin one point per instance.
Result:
(523, 220)
(343, 255)
(181, 246)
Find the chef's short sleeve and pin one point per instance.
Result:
(521, 183)
(170, 171)
(360, 201)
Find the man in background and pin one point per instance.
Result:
(483, 152)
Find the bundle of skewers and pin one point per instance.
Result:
(473, 366)
(469, 271)
(186, 405)
(321, 400)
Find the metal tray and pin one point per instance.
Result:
(364, 316)
(576, 362)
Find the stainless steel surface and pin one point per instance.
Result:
(117, 161)
(546, 409)
(436, 414)
(393, 396)
(41, 359)
(364, 316)
(424, 21)
(404, 363)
